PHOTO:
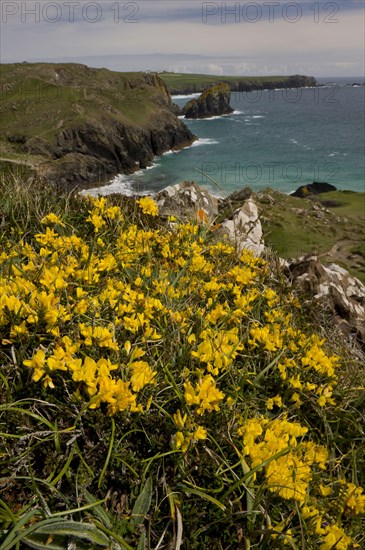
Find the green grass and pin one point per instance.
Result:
(352, 203)
(294, 228)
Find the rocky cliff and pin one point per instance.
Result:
(212, 102)
(294, 81)
(79, 125)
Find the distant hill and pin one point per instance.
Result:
(181, 83)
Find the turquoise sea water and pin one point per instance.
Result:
(277, 138)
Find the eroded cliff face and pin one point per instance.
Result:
(214, 101)
(98, 124)
(95, 151)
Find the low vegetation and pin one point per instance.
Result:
(159, 390)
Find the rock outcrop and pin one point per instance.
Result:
(244, 228)
(212, 102)
(186, 201)
(314, 188)
(342, 294)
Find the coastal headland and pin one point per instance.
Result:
(76, 125)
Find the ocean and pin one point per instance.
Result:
(274, 138)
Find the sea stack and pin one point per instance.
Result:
(212, 102)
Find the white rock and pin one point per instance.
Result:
(245, 229)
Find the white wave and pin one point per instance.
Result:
(212, 117)
(120, 184)
(236, 112)
(302, 145)
(215, 117)
(258, 116)
(204, 141)
(185, 96)
(181, 117)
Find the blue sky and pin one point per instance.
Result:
(260, 37)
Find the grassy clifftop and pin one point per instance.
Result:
(70, 118)
(40, 98)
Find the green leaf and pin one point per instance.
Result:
(57, 528)
(111, 444)
(142, 504)
(98, 510)
(256, 380)
(40, 542)
(13, 537)
(203, 495)
(142, 540)
(76, 529)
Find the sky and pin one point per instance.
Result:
(260, 37)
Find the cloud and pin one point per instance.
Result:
(326, 36)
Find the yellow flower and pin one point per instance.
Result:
(335, 538)
(200, 433)
(179, 439)
(97, 221)
(321, 401)
(355, 498)
(53, 278)
(277, 400)
(52, 219)
(325, 491)
(269, 336)
(148, 206)
(142, 375)
(179, 420)
(289, 477)
(37, 363)
(206, 395)
(47, 382)
(296, 398)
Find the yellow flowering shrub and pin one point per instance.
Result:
(185, 343)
